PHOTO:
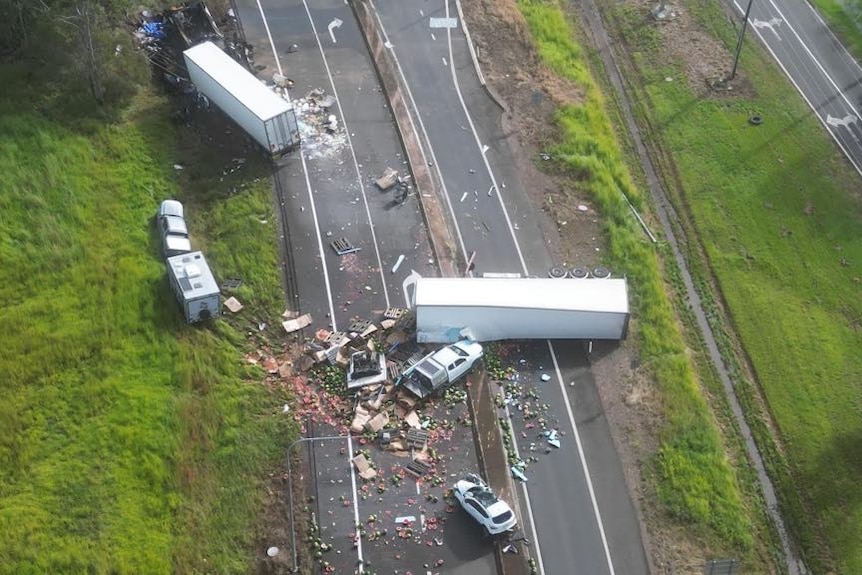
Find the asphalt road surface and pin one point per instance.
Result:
(576, 504)
(816, 63)
(328, 187)
(329, 192)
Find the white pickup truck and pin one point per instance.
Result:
(441, 368)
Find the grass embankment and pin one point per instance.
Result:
(777, 210)
(129, 442)
(693, 477)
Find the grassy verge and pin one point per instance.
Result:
(692, 475)
(129, 442)
(778, 215)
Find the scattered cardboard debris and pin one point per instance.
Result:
(296, 324)
(363, 466)
(306, 362)
(378, 422)
(387, 179)
(412, 419)
(270, 364)
(396, 337)
(253, 357)
(285, 369)
(233, 304)
(360, 420)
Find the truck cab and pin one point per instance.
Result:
(441, 368)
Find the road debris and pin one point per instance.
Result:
(387, 179)
(297, 324)
(342, 246)
(233, 304)
(364, 467)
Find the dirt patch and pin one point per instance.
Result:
(705, 59)
(532, 93)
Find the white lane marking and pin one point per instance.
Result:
(771, 24)
(436, 165)
(595, 505)
(308, 187)
(583, 459)
(356, 523)
(479, 144)
(336, 23)
(811, 105)
(320, 251)
(352, 154)
(268, 35)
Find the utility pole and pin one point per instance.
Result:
(739, 42)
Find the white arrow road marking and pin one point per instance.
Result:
(845, 121)
(771, 23)
(336, 23)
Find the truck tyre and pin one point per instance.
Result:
(557, 272)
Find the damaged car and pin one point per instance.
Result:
(492, 513)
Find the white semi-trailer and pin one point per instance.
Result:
(489, 309)
(268, 118)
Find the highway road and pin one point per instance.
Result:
(576, 504)
(328, 186)
(825, 74)
(576, 507)
(328, 191)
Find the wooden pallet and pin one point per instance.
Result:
(418, 468)
(417, 438)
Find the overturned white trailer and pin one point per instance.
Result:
(489, 309)
(269, 119)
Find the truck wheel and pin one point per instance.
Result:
(557, 272)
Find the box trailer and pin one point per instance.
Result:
(489, 309)
(265, 116)
(194, 286)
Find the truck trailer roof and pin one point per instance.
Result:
(608, 295)
(260, 100)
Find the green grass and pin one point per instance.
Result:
(692, 474)
(778, 213)
(129, 442)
